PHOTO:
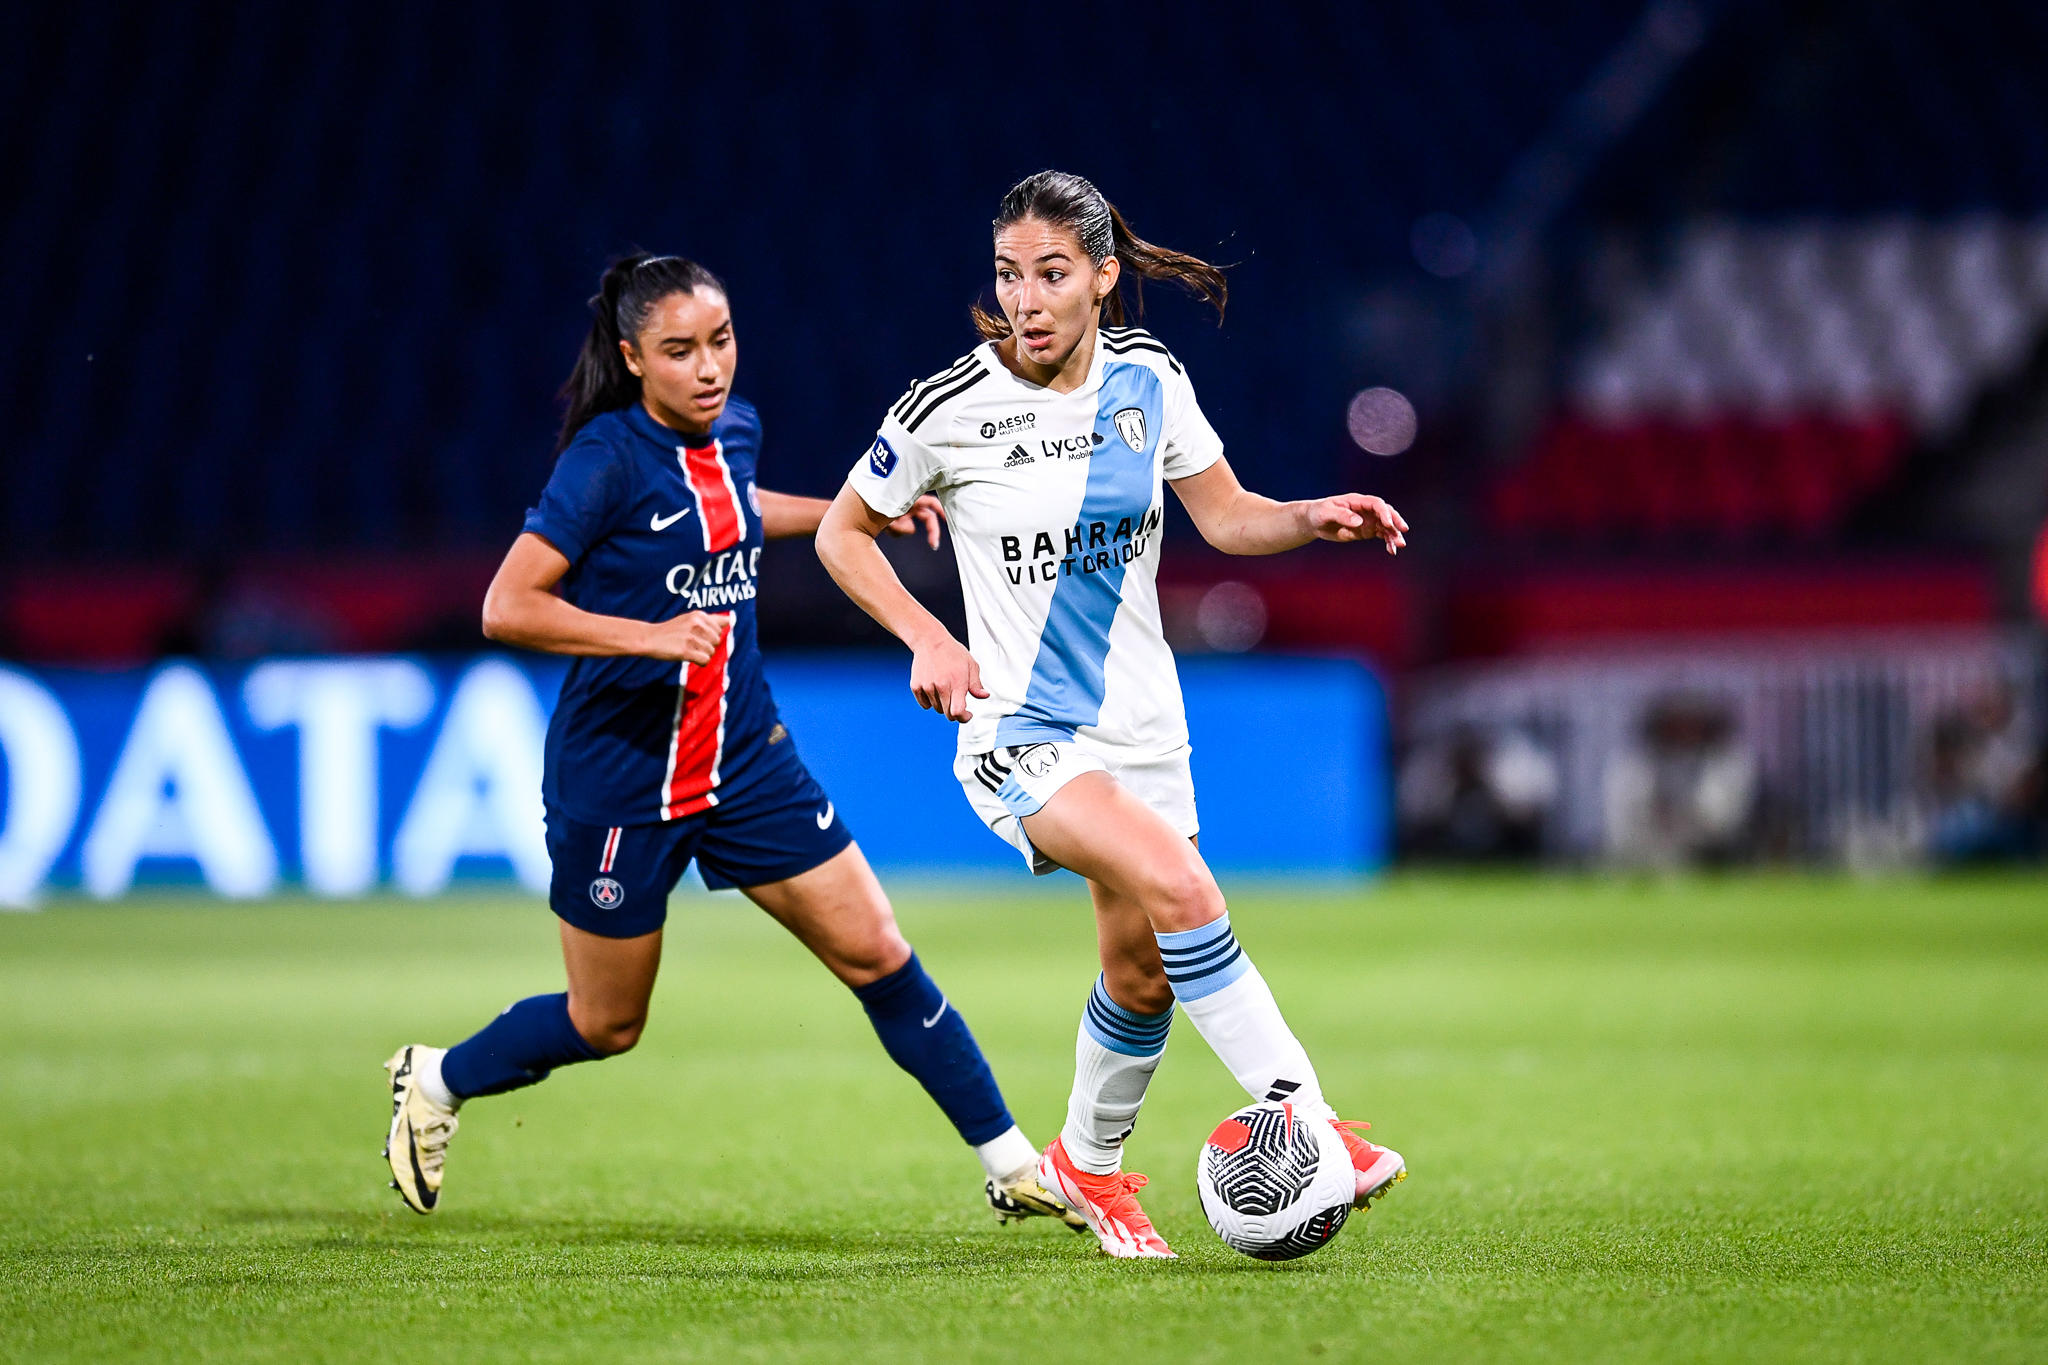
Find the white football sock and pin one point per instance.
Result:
(1234, 1010)
(1114, 1058)
(427, 1076)
(1005, 1156)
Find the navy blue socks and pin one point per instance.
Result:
(518, 1048)
(919, 1028)
(926, 1036)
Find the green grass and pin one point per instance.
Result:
(1777, 1117)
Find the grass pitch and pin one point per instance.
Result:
(1752, 1118)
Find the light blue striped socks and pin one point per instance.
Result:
(1114, 1058)
(1118, 1049)
(1231, 1006)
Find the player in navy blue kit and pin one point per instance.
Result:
(641, 560)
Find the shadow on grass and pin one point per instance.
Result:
(723, 1248)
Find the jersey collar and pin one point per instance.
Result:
(1088, 385)
(668, 438)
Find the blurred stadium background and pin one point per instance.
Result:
(1706, 347)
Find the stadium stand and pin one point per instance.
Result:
(1786, 298)
(171, 399)
(1767, 379)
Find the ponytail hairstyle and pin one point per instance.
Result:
(631, 286)
(1070, 202)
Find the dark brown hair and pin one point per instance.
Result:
(1071, 202)
(632, 285)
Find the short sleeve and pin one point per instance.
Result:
(1192, 445)
(584, 501)
(896, 470)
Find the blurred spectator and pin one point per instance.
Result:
(236, 618)
(1687, 792)
(1477, 794)
(1986, 775)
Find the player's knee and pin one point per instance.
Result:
(1183, 896)
(612, 1033)
(618, 1037)
(874, 955)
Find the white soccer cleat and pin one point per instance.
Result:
(1108, 1203)
(417, 1146)
(1020, 1196)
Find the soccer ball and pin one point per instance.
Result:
(1275, 1182)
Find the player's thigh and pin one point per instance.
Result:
(609, 889)
(610, 982)
(839, 911)
(1095, 826)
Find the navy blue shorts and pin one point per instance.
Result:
(615, 880)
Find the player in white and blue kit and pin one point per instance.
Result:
(641, 562)
(1049, 447)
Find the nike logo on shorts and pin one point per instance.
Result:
(661, 523)
(936, 1017)
(825, 817)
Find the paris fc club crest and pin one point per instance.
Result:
(607, 894)
(1037, 760)
(1130, 424)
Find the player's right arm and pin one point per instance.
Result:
(943, 675)
(584, 502)
(898, 470)
(522, 608)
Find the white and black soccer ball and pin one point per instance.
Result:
(1275, 1182)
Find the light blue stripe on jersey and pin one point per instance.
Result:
(1066, 685)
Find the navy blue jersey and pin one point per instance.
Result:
(655, 524)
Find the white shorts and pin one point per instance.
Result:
(1008, 784)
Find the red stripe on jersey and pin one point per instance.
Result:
(718, 500)
(611, 849)
(698, 742)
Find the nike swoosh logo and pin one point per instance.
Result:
(943, 1002)
(825, 817)
(662, 523)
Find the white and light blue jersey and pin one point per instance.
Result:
(1055, 504)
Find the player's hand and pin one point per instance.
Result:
(1355, 516)
(692, 637)
(925, 512)
(943, 675)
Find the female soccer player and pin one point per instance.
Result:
(1047, 446)
(665, 744)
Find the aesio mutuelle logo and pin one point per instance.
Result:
(1022, 421)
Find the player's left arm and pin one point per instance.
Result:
(1238, 521)
(785, 515)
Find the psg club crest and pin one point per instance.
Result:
(881, 458)
(607, 894)
(1130, 424)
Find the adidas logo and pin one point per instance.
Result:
(1018, 455)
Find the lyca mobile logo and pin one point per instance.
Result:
(1071, 447)
(1022, 421)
